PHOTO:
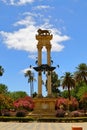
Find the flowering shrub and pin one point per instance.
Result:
(21, 113)
(76, 114)
(6, 114)
(61, 103)
(24, 103)
(60, 113)
(66, 104)
(5, 102)
(83, 102)
(0, 113)
(73, 104)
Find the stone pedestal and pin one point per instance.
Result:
(44, 106)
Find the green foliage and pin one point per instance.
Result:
(82, 89)
(5, 102)
(80, 86)
(83, 101)
(64, 94)
(29, 74)
(63, 119)
(18, 94)
(68, 82)
(81, 73)
(3, 89)
(20, 119)
(75, 86)
(55, 83)
(79, 90)
(1, 70)
(34, 94)
(31, 78)
(45, 119)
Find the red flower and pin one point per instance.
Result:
(25, 102)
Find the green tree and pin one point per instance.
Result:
(64, 94)
(55, 83)
(18, 94)
(81, 90)
(83, 102)
(81, 73)
(3, 89)
(34, 94)
(30, 76)
(68, 82)
(5, 102)
(1, 70)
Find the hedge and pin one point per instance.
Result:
(44, 119)
(18, 119)
(64, 119)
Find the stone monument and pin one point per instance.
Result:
(44, 105)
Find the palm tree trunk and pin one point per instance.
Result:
(30, 88)
(69, 95)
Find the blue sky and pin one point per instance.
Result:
(19, 22)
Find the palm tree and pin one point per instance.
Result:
(81, 73)
(68, 82)
(30, 76)
(55, 83)
(1, 71)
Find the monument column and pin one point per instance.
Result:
(39, 73)
(44, 106)
(39, 47)
(48, 47)
(44, 38)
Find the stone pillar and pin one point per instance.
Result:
(39, 73)
(48, 47)
(39, 47)
(48, 54)
(49, 84)
(39, 84)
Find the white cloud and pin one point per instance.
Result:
(17, 2)
(24, 38)
(40, 7)
(26, 22)
(27, 69)
(32, 56)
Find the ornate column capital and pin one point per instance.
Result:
(48, 47)
(39, 47)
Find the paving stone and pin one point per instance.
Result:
(40, 126)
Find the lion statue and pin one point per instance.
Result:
(43, 32)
